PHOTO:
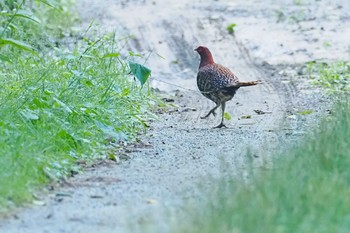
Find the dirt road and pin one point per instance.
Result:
(272, 40)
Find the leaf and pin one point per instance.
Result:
(132, 54)
(5, 58)
(227, 116)
(141, 72)
(111, 55)
(30, 114)
(113, 157)
(51, 3)
(110, 131)
(68, 138)
(18, 44)
(59, 103)
(306, 112)
(27, 15)
(231, 28)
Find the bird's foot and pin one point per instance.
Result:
(211, 112)
(221, 125)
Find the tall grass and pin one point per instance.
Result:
(60, 105)
(307, 190)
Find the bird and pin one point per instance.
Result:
(217, 83)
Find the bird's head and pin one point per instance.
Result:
(206, 57)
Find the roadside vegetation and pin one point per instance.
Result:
(64, 96)
(306, 190)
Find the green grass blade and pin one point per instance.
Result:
(18, 44)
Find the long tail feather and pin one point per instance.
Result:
(252, 83)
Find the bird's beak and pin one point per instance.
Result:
(195, 49)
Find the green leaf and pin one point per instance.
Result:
(5, 58)
(227, 116)
(27, 15)
(51, 3)
(111, 55)
(68, 138)
(58, 103)
(306, 112)
(17, 44)
(132, 54)
(141, 72)
(113, 157)
(29, 114)
(231, 28)
(110, 131)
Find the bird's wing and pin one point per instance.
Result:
(218, 76)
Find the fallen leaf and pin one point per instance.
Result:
(227, 116)
(306, 112)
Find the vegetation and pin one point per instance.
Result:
(231, 28)
(335, 77)
(307, 190)
(60, 101)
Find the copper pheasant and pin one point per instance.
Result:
(217, 82)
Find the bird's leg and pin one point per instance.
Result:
(223, 105)
(212, 111)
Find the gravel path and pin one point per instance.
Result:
(180, 151)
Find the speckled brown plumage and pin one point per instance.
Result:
(217, 82)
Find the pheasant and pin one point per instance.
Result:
(217, 82)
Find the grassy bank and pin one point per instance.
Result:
(307, 190)
(59, 103)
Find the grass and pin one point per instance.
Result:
(60, 103)
(307, 190)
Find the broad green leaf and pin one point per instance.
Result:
(39, 103)
(141, 72)
(68, 138)
(17, 44)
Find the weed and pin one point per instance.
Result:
(60, 105)
(335, 76)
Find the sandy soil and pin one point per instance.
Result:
(180, 151)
